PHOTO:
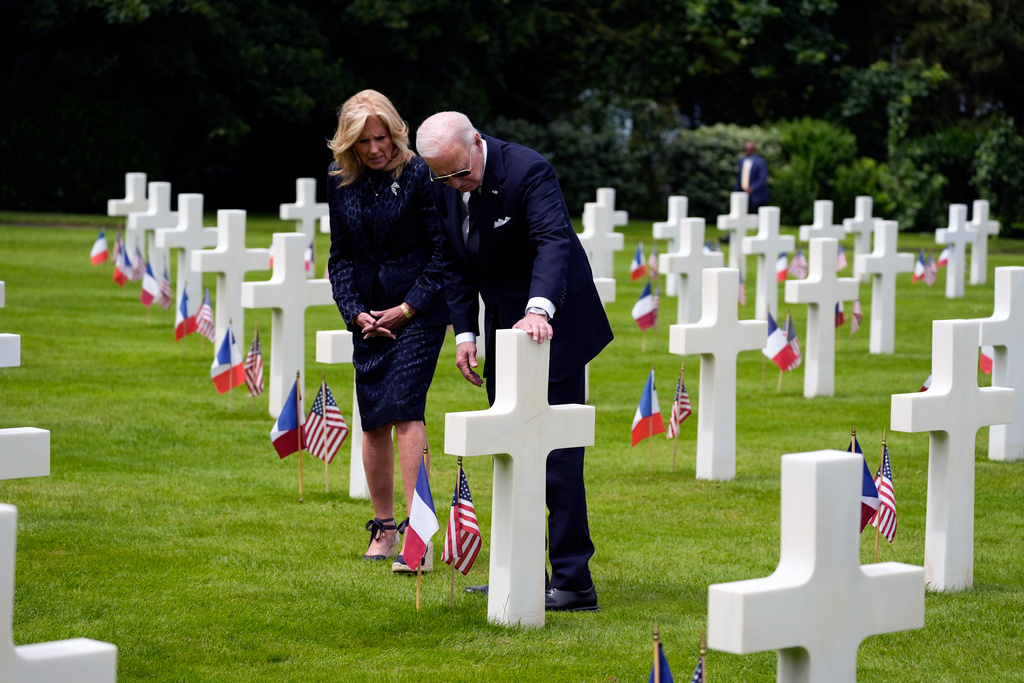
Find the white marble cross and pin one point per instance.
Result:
(862, 225)
(983, 228)
(820, 602)
(519, 430)
(156, 215)
(688, 263)
(24, 451)
(134, 196)
(230, 260)
(956, 237)
(306, 211)
(599, 238)
(822, 225)
(821, 291)
(333, 347)
(718, 338)
(10, 344)
(767, 245)
(737, 222)
(82, 660)
(188, 236)
(883, 265)
(951, 410)
(1005, 331)
(289, 294)
(669, 230)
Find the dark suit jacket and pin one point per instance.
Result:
(527, 248)
(758, 179)
(403, 262)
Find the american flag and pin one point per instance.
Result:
(462, 537)
(254, 367)
(138, 265)
(698, 673)
(856, 316)
(794, 343)
(308, 257)
(885, 519)
(681, 408)
(204, 318)
(840, 314)
(798, 266)
(166, 296)
(741, 291)
(325, 427)
(652, 263)
(931, 272)
(841, 258)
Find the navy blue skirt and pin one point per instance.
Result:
(393, 375)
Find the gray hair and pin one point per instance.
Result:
(440, 131)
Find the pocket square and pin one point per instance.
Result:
(502, 221)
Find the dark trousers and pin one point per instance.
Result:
(569, 544)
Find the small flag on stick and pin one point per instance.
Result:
(868, 493)
(647, 422)
(100, 252)
(885, 519)
(462, 537)
(637, 267)
(254, 366)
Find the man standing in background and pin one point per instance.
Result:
(752, 178)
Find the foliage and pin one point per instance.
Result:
(813, 151)
(999, 174)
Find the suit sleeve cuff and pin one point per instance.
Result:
(541, 302)
(465, 337)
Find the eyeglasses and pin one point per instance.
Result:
(458, 174)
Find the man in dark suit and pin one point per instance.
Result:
(752, 178)
(506, 237)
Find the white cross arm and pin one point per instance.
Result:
(333, 346)
(605, 289)
(24, 452)
(562, 427)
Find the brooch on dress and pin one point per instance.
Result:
(394, 188)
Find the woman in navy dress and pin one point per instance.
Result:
(385, 271)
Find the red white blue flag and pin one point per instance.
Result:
(462, 537)
(841, 261)
(184, 324)
(326, 428)
(645, 310)
(856, 317)
(868, 494)
(681, 408)
(781, 264)
(150, 287)
(943, 258)
(286, 434)
(204, 318)
(122, 266)
(779, 349)
(166, 296)
(885, 520)
(308, 258)
(840, 314)
(647, 421)
(919, 266)
(100, 251)
(422, 521)
(637, 267)
(798, 267)
(986, 359)
(664, 674)
(254, 367)
(228, 370)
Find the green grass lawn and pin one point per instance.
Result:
(169, 527)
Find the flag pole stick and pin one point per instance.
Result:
(703, 654)
(878, 531)
(650, 435)
(656, 668)
(451, 590)
(298, 411)
(643, 340)
(778, 387)
(323, 426)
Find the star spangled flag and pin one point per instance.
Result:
(681, 408)
(885, 519)
(286, 434)
(868, 492)
(798, 266)
(308, 258)
(118, 248)
(254, 367)
(138, 265)
(647, 421)
(856, 317)
(741, 291)
(986, 358)
(122, 267)
(166, 296)
(652, 263)
(645, 310)
(927, 384)
(840, 314)
(228, 369)
(943, 258)
(184, 324)
(150, 287)
(792, 340)
(698, 673)
(919, 266)
(204, 318)
(778, 348)
(325, 427)
(841, 261)
(781, 264)
(931, 272)
(664, 674)
(422, 521)
(99, 253)
(637, 267)
(462, 537)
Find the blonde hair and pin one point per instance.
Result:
(352, 119)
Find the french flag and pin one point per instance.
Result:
(150, 287)
(919, 266)
(778, 347)
(286, 435)
(422, 521)
(943, 258)
(228, 369)
(638, 266)
(184, 324)
(869, 500)
(645, 310)
(647, 421)
(123, 268)
(987, 357)
(100, 252)
(781, 266)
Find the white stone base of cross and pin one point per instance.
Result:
(952, 411)
(333, 347)
(1005, 331)
(10, 350)
(519, 430)
(24, 452)
(81, 660)
(820, 602)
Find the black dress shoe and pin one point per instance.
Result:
(480, 590)
(556, 600)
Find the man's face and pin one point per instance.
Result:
(457, 158)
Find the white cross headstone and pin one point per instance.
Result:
(1005, 331)
(718, 338)
(822, 226)
(519, 430)
(306, 211)
(956, 237)
(688, 263)
(862, 225)
(10, 344)
(882, 265)
(230, 260)
(983, 228)
(82, 660)
(737, 222)
(767, 245)
(134, 196)
(669, 230)
(156, 215)
(820, 602)
(289, 294)
(333, 347)
(821, 291)
(599, 238)
(951, 410)
(188, 236)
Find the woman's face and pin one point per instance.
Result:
(375, 146)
